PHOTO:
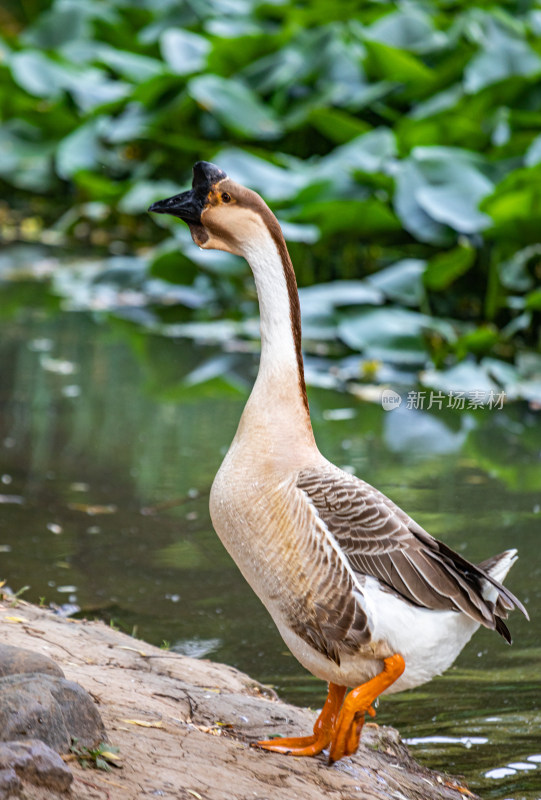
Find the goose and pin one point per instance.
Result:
(362, 595)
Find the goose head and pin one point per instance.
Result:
(221, 214)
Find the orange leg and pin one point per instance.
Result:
(323, 729)
(347, 732)
(354, 734)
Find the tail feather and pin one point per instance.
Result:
(502, 629)
(495, 570)
(498, 566)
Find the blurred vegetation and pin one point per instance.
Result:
(399, 144)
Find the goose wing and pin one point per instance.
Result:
(381, 540)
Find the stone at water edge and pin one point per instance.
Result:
(10, 784)
(14, 660)
(37, 706)
(36, 763)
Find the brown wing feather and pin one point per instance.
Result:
(381, 540)
(324, 607)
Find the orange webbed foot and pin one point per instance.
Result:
(347, 733)
(341, 722)
(294, 745)
(323, 729)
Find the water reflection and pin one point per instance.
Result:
(107, 455)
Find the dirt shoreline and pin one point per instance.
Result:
(184, 726)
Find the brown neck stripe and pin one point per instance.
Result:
(249, 199)
(294, 304)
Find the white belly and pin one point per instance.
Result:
(429, 641)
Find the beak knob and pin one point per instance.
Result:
(206, 175)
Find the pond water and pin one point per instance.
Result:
(107, 454)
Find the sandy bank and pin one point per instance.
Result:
(184, 726)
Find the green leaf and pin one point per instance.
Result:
(5, 50)
(232, 27)
(441, 101)
(402, 282)
(444, 268)
(479, 341)
(57, 27)
(533, 155)
(533, 300)
(184, 52)
(409, 179)
(515, 206)
(503, 56)
(393, 64)
(368, 218)
(337, 125)
(93, 87)
(81, 150)
(173, 266)
(130, 124)
(134, 67)
(40, 76)
(441, 186)
(501, 371)
(297, 232)
(515, 273)
(389, 334)
(25, 162)
(272, 181)
(467, 376)
(302, 56)
(98, 186)
(456, 204)
(323, 298)
(235, 106)
(408, 29)
(37, 74)
(369, 152)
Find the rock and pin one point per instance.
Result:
(10, 784)
(14, 660)
(202, 718)
(54, 710)
(36, 763)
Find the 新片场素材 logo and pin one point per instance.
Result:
(390, 399)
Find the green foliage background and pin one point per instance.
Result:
(399, 144)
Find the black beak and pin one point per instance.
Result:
(186, 206)
(189, 206)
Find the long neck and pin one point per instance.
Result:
(279, 394)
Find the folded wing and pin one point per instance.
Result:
(381, 540)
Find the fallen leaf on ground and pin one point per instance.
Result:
(15, 619)
(110, 756)
(209, 729)
(133, 649)
(143, 723)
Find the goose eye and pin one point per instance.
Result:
(226, 198)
